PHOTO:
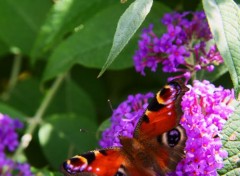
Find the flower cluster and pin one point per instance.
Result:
(9, 142)
(206, 108)
(124, 119)
(182, 49)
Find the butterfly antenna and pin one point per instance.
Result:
(110, 104)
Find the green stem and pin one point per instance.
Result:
(37, 118)
(14, 76)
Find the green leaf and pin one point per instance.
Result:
(26, 96)
(60, 137)
(70, 98)
(90, 45)
(6, 109)
(3, 48)
(237, 1)
(20, 21)
(91, 86)
(103, 126)
(64, 19)
(231, 143)
(128, 24)
(224, 21)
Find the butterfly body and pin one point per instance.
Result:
(155, 149)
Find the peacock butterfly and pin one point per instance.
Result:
(156, 147)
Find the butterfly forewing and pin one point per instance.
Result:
(163, 112)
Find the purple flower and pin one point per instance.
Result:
(206, 109)
(9, 142)
(8, 136)
(8, 167)
(181, 49)
(23, 169)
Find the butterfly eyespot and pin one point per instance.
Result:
(165, 93)
(173, 137)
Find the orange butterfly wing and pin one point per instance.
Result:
(163, 112)
(104, 162)
(158, 130)
(94, 163)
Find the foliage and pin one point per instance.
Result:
(51, 53)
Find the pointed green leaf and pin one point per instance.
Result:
(231, 143)
(128, 24)
(224, 21)
(89, 46)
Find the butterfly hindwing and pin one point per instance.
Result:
(155, 156)
(171, 143)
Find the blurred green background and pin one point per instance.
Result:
(41, 40)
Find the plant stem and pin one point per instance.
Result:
(37, 118)
(13, 77)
